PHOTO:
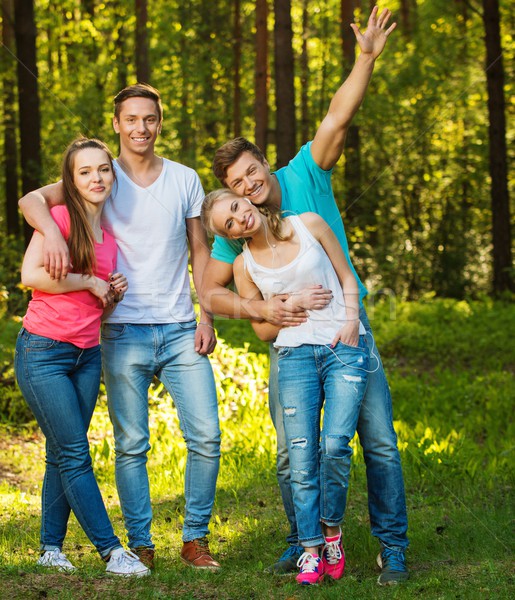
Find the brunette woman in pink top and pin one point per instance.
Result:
(57, 358)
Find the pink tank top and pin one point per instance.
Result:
(73, 317)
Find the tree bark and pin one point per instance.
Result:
(9, 121)
(28, 99)
(236, 70)
(500, 201)
(304, 75)
(285, 94)
(142, 54)
(261, 77)
(408, 19)
(352, 143)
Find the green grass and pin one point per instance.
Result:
(450, 365)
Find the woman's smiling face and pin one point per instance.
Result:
(235, 217)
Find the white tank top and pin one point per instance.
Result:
(311, 266)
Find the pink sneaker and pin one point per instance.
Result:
(311, 569)
(333, 557)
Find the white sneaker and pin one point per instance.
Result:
(126, 564)
(56, 558)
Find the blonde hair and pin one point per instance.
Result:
(274, 220)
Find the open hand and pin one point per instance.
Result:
(311, 298)
(374, 39)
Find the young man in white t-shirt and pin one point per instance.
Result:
(153, 214)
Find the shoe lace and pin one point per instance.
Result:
(58, 557)
(124, 558)
(333, 552)
(308, 563)
(392, 560)
(145, 553)
(201, 546)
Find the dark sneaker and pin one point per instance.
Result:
(196, 554)
(146, 555)
(393, 567)
(287, 563)
(311, 569)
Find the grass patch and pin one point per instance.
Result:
(450, 365)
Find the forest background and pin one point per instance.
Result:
(424, 189)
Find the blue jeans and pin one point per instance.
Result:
(132, 355)
(386, 498)
(312, 376)
(60, 384)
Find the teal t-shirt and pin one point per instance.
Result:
(305, 187)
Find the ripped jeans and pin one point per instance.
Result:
(320, 460)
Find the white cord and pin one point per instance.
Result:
(372, 355)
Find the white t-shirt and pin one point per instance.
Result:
(311, 266)
(149, 226)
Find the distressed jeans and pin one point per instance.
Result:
(312, 377)
(386, 496)
(132, 355)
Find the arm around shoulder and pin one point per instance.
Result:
(35, 207)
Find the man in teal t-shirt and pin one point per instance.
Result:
(305, 185)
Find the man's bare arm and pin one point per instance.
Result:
(329, 140)
(221, 301)
(205, 338)
(35, 207)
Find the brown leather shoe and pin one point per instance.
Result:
(196, 554)
(146, 555)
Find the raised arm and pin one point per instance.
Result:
(247, 289)
(329, 140)
(35, 207)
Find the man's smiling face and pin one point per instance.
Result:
(249, 177)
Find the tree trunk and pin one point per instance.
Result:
(304, 75)
(9, 101)
(501, 232)
(28, 99)
(142, 57)
(261, 77)
(236, 70)
(352, 143)
(408, 19)
(285, 93)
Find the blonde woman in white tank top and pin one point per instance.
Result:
(323, 362)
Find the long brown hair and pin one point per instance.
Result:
(81, 241)
(273, 215)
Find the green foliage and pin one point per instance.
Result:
(422, 221)
(13, 296)
(450, 366)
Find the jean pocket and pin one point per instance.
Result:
(284, 351)
(361, 347)
(187, 325)
(113, 331)
(38, 343)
